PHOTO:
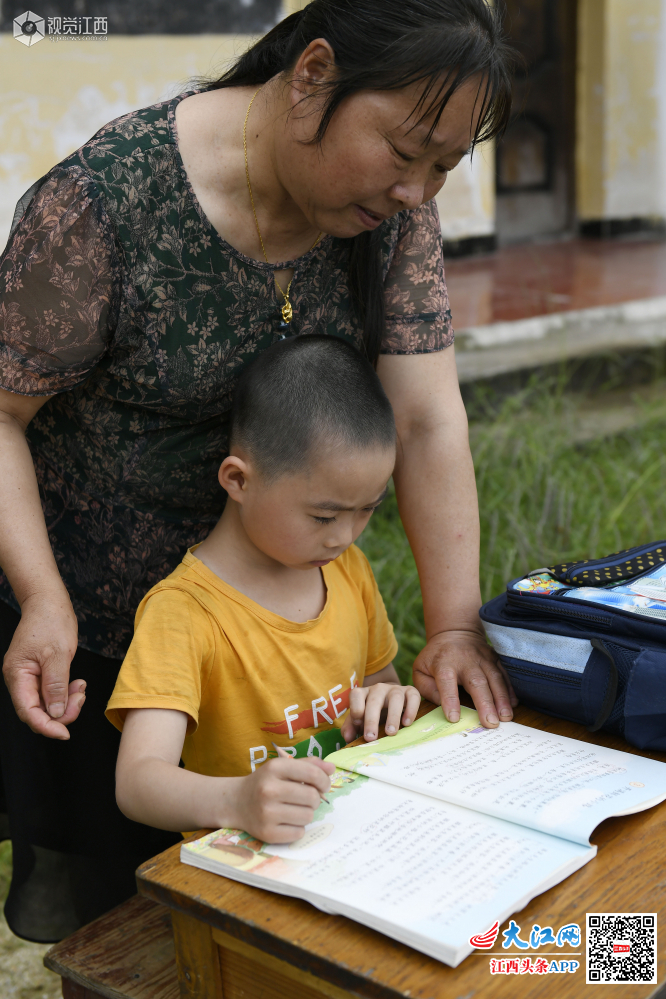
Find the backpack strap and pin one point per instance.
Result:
(611, 688)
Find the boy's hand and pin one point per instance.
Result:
(366, 705)
(279, 799)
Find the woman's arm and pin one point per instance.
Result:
(436, 491)
(274, 803)
(36, 666)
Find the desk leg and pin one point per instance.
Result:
(249, 973)
(197, 958)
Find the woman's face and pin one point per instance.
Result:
(373, 161)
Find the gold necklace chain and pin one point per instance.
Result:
(286, 310)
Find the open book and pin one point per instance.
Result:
(437, 832)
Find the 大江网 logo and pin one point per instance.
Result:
(483, 941)
(515, 963)
(28, 28)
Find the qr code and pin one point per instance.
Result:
(621, 947)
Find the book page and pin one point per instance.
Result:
(424, 871)
(547, 782)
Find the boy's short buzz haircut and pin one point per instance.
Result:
(305, 393)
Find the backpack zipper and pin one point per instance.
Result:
(613, 567)
(571, 681)
(564, 611)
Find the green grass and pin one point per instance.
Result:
(542, 497)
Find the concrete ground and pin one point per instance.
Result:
(22, 974)
(499, 348)
(527, 306)
(539, 279)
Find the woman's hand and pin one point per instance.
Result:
(36, 666)
(464, 658)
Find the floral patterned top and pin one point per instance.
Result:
(119, 298)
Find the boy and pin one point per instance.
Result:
(256, 645)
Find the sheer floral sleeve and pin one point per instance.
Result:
(58, 277)
(418, 318)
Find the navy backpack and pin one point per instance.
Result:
(586, 641)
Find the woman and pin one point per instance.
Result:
(145, 271)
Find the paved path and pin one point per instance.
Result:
(534, 279)
(536, 304)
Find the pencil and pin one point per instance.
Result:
(288, 756)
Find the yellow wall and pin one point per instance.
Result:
(55, 95)
(467, 201)
(621, 116)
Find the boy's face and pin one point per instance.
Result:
(306, 520)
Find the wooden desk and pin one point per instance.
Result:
(237, 942)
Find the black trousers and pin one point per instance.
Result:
(74, 852)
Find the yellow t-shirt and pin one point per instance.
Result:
(249, 679)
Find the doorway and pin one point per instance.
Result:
(535, 158)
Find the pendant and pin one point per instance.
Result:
(287, 311)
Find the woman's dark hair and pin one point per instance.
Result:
(303, 394)
(388, 45)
